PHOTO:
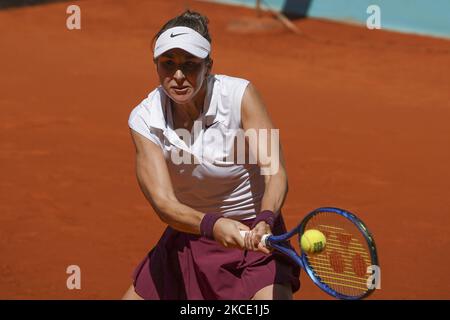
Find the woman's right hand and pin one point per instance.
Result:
(226, 232)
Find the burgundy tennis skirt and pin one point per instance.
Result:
(189, 267)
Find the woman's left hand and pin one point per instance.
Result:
(253, 238)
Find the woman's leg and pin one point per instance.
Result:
(131, 294)
(274, 292)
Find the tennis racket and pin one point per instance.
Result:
(343, 269)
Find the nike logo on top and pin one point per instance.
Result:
(207, 126)
(176, 35)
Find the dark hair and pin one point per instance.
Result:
(190, 19)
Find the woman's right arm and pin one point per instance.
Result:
(154, 181)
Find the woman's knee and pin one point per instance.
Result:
(274, 292)
(131, 294)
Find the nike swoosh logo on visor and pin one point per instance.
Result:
(176, 35)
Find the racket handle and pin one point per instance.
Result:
(263, 239)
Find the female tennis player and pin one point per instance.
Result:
(204, 200)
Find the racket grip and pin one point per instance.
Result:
(263, 239)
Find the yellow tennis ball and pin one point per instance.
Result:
(313, 241)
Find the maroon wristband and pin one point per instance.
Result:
(267, 216)
(207, 224)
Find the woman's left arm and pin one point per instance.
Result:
(254, 116)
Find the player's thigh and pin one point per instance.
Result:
(131, 294)
(274, 292)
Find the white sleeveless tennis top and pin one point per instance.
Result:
(200, 174)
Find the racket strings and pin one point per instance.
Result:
(342, 265)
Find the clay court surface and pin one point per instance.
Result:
(363, 116)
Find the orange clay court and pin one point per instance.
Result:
(363, 117)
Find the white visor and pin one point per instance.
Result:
(183, 38)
